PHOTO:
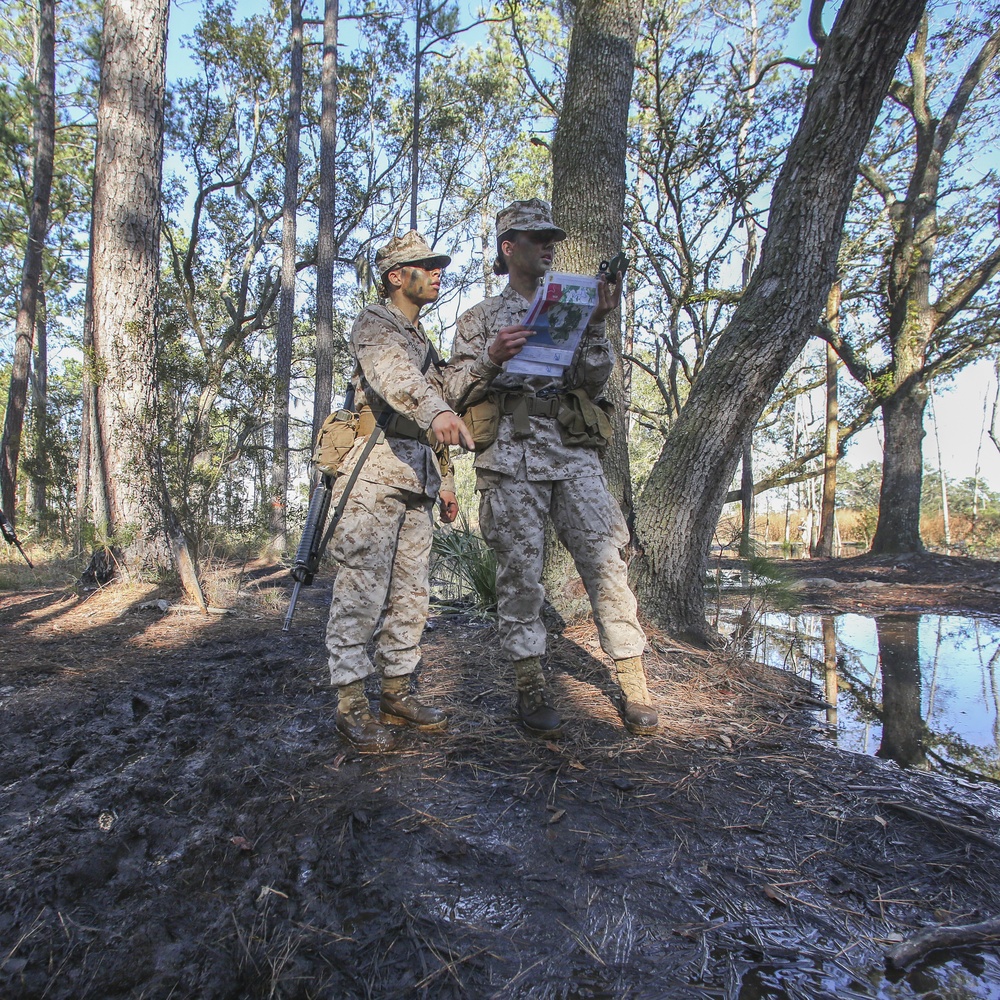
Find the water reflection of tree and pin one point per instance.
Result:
(904, 733)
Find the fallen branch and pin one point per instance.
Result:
(932, 938)
(956, 827)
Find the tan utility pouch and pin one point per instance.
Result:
(335, 439)
(584, 422)
(483, 421)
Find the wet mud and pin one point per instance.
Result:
(180, 819)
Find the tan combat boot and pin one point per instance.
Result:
(637, 709)
(532, 706)
(354, 720)
(401, 707)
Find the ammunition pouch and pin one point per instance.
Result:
(483, 421)
(584, 422)
(341, 429)
(335, 439)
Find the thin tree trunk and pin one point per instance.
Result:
(44, 139)
(39, 416)
(943, 479)
(831, 443)
(326, 246)
(415, 123)
(683, 497)
(746, 500)
(286, 304)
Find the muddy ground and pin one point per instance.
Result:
(180, 818)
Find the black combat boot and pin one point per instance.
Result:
(532, 705)
(398, 706)
(354, 720)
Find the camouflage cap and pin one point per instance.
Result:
(410, 248)
(533, 215)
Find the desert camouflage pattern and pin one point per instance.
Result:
(589, 523)
(533, 215)
(382, 550)
(470, 375)
(410, 248)
(521, 480)
(390, 351)
(381, 546)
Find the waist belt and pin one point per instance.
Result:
(398, 425)
(521, 406)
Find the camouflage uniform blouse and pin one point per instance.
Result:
(390, 351)
(470, 375)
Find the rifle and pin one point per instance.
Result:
(8, 532)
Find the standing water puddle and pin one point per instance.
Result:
(918, 689)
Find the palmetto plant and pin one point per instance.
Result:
(464, 568)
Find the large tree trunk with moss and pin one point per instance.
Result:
(31, 273)
(588, 201)
(683, 497)
(125, 272)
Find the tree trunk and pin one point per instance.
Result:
(746, 500)
(39, 417)
(326, 246)
(418, 55)
(125, 271)
(286, 304)
(588, 201)
(898, 528)
(588, 175)
(683, 498)
(41, 187)
(831, 443)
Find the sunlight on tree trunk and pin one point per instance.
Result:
(831, 442)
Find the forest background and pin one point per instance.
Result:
(283, 169)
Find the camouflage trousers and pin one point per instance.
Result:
(589, 523)
(381, 589)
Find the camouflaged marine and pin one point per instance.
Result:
(530, 471)
(382, 543)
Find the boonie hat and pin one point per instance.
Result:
(411, 248)
(533, 215)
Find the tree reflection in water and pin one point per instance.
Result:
(903, 730)
(922, 690)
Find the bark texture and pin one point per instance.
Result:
(125, 268)
(683, 498)
(588, 174)
(31, 273)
